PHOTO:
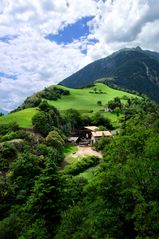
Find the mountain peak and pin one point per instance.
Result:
(138, 48)
(129, 68)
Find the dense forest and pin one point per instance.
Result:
(41, 200)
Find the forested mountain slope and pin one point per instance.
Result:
(133, 69)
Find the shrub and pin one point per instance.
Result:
(55, 140)
(99, 102)
(82, 165)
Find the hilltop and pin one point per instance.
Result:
(87, 101)
(129, 68)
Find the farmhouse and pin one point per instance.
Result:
(88, 135)
(98, 134)
(86, 131)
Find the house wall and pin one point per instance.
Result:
(94, 139)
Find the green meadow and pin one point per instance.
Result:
(84, 100)
(23, 117)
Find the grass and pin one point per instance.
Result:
(84, 100)
(23, 117)
(71, 160)
(69, 149)
(89, 173)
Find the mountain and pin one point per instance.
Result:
(129, 68)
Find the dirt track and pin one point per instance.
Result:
(84, 151)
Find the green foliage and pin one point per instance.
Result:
(102, 142)
(41, 123)
(36, 230)
(99, 102)
(8, 128)
(47, 119)
(45, 200)
(32, 101)
(99, 119)
(8, 227)
(81, 165)
(53, 93)
(44, 106)
(55, 140)
(122, 200)
(73, 120)
(113, 104)
(7, 154)
(22, 178)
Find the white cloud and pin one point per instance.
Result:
(37, 62)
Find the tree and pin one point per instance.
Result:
(42, 123)
(73, 117)
(99, 119)
(99, 102)
(44, 106)
(45, 202)
(116, 103)
(55, 140)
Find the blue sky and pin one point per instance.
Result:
(7, 38)
(44, 41)
(72, 32)
(5, 75)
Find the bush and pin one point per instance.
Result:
(102, 142)
(55, 140)
(7, 128)
(82, 165)
(9, 136)
(7, 154)
(99, 102)
(53, 93)
(41, 123)
(7, 151)
(32, 101)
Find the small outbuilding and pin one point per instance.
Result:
(98, 134)
(73, 140)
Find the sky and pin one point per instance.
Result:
(44, 41)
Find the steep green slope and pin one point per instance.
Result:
(132, 69)
(85, 100)
(23, 117)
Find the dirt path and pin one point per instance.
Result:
(84, 151)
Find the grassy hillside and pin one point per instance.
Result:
(85, 100)
(23, 117)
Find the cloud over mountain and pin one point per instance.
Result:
(35, 61)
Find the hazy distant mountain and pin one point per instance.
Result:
(129, 68)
